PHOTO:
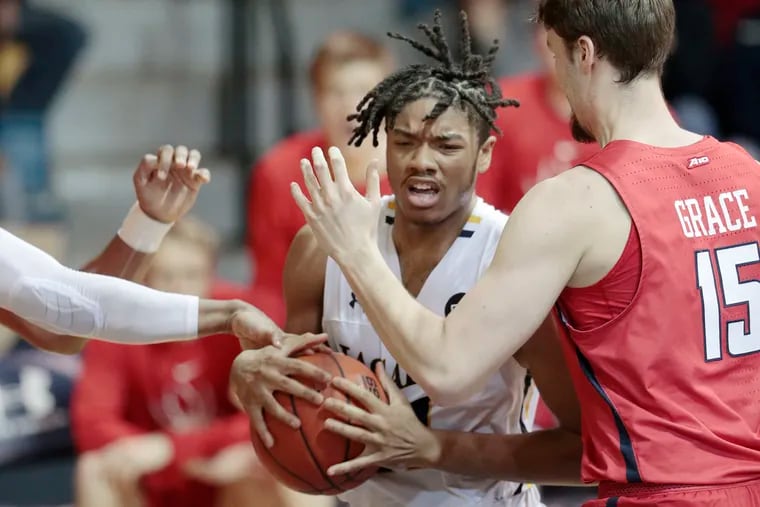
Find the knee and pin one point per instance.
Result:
(89, 467)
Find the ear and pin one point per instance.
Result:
(585, 53)
(484, 154)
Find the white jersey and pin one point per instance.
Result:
(505, 405)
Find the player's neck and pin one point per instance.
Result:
(638, 112)
(430, 241)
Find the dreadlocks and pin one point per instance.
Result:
(466, 84)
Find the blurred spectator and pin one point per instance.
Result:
(735, 91)
(536, 141)
(690, 71)
(345, 68)
(155, 424)
(37, 51)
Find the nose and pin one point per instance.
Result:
(423, 161)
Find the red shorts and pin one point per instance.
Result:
(746, 494)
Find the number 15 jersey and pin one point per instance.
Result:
(670, 387)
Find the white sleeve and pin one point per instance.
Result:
(37, 288)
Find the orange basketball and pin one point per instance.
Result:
(300, 457)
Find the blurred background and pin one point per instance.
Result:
(88, 86)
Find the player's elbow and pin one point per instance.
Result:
(446, 387)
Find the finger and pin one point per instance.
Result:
(393, 392)
(165, 158)
(296, 388)
(180, 156)
(340, 171)
(148, 164)
(202, 176)
(354, 433)
(194, 159)
(301, 200)
(322, 168)
(302, 369)
(311, 183)
(278, 412)
(186, 175)
(353, 414)
(373, 182)
(323, 348)
(293, 343)
(356, 464)
(365, 398)
(257, 419)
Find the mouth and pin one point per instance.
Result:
(422, 193)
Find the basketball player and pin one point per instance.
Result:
(648, 252)
(437, 238)
(43, 300)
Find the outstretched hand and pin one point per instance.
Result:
(343, 221)
(167, 184)
(391, 433)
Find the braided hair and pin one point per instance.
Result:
(466, 84)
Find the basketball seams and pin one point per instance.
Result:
(291, 473)
(306, 443)
(349, 476)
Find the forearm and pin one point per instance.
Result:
(128, 255)
(550, 457)
(412, 333)
(35, 287)
(120, 260)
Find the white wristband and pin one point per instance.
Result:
(142, 233)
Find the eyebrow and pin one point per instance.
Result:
(449, 136)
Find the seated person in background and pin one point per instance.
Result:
(537, 142)
(345, 67)
(155, 424)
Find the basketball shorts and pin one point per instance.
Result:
(745, 494)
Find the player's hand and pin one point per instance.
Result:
(257, 374)
(254, 328)
(167, 184)
(391, 433)
(128, 459)
(230, 465)
(343, 221)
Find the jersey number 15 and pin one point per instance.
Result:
(735, 293)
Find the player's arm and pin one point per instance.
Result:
(394, 437)
(451, 358)
(37, 288)
(256, 374)
(545, 457)
(166, 186)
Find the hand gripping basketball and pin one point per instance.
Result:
(257, 374)
(391, 432)
(301, 457)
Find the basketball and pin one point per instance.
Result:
(300, 457)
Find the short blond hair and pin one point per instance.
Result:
(193, 230)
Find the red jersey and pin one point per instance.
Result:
(273, 216)
(669, 386)
(179, 389)
(536, 144)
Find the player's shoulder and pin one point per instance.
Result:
(571, 198)
(284, 157)
(486, 215)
